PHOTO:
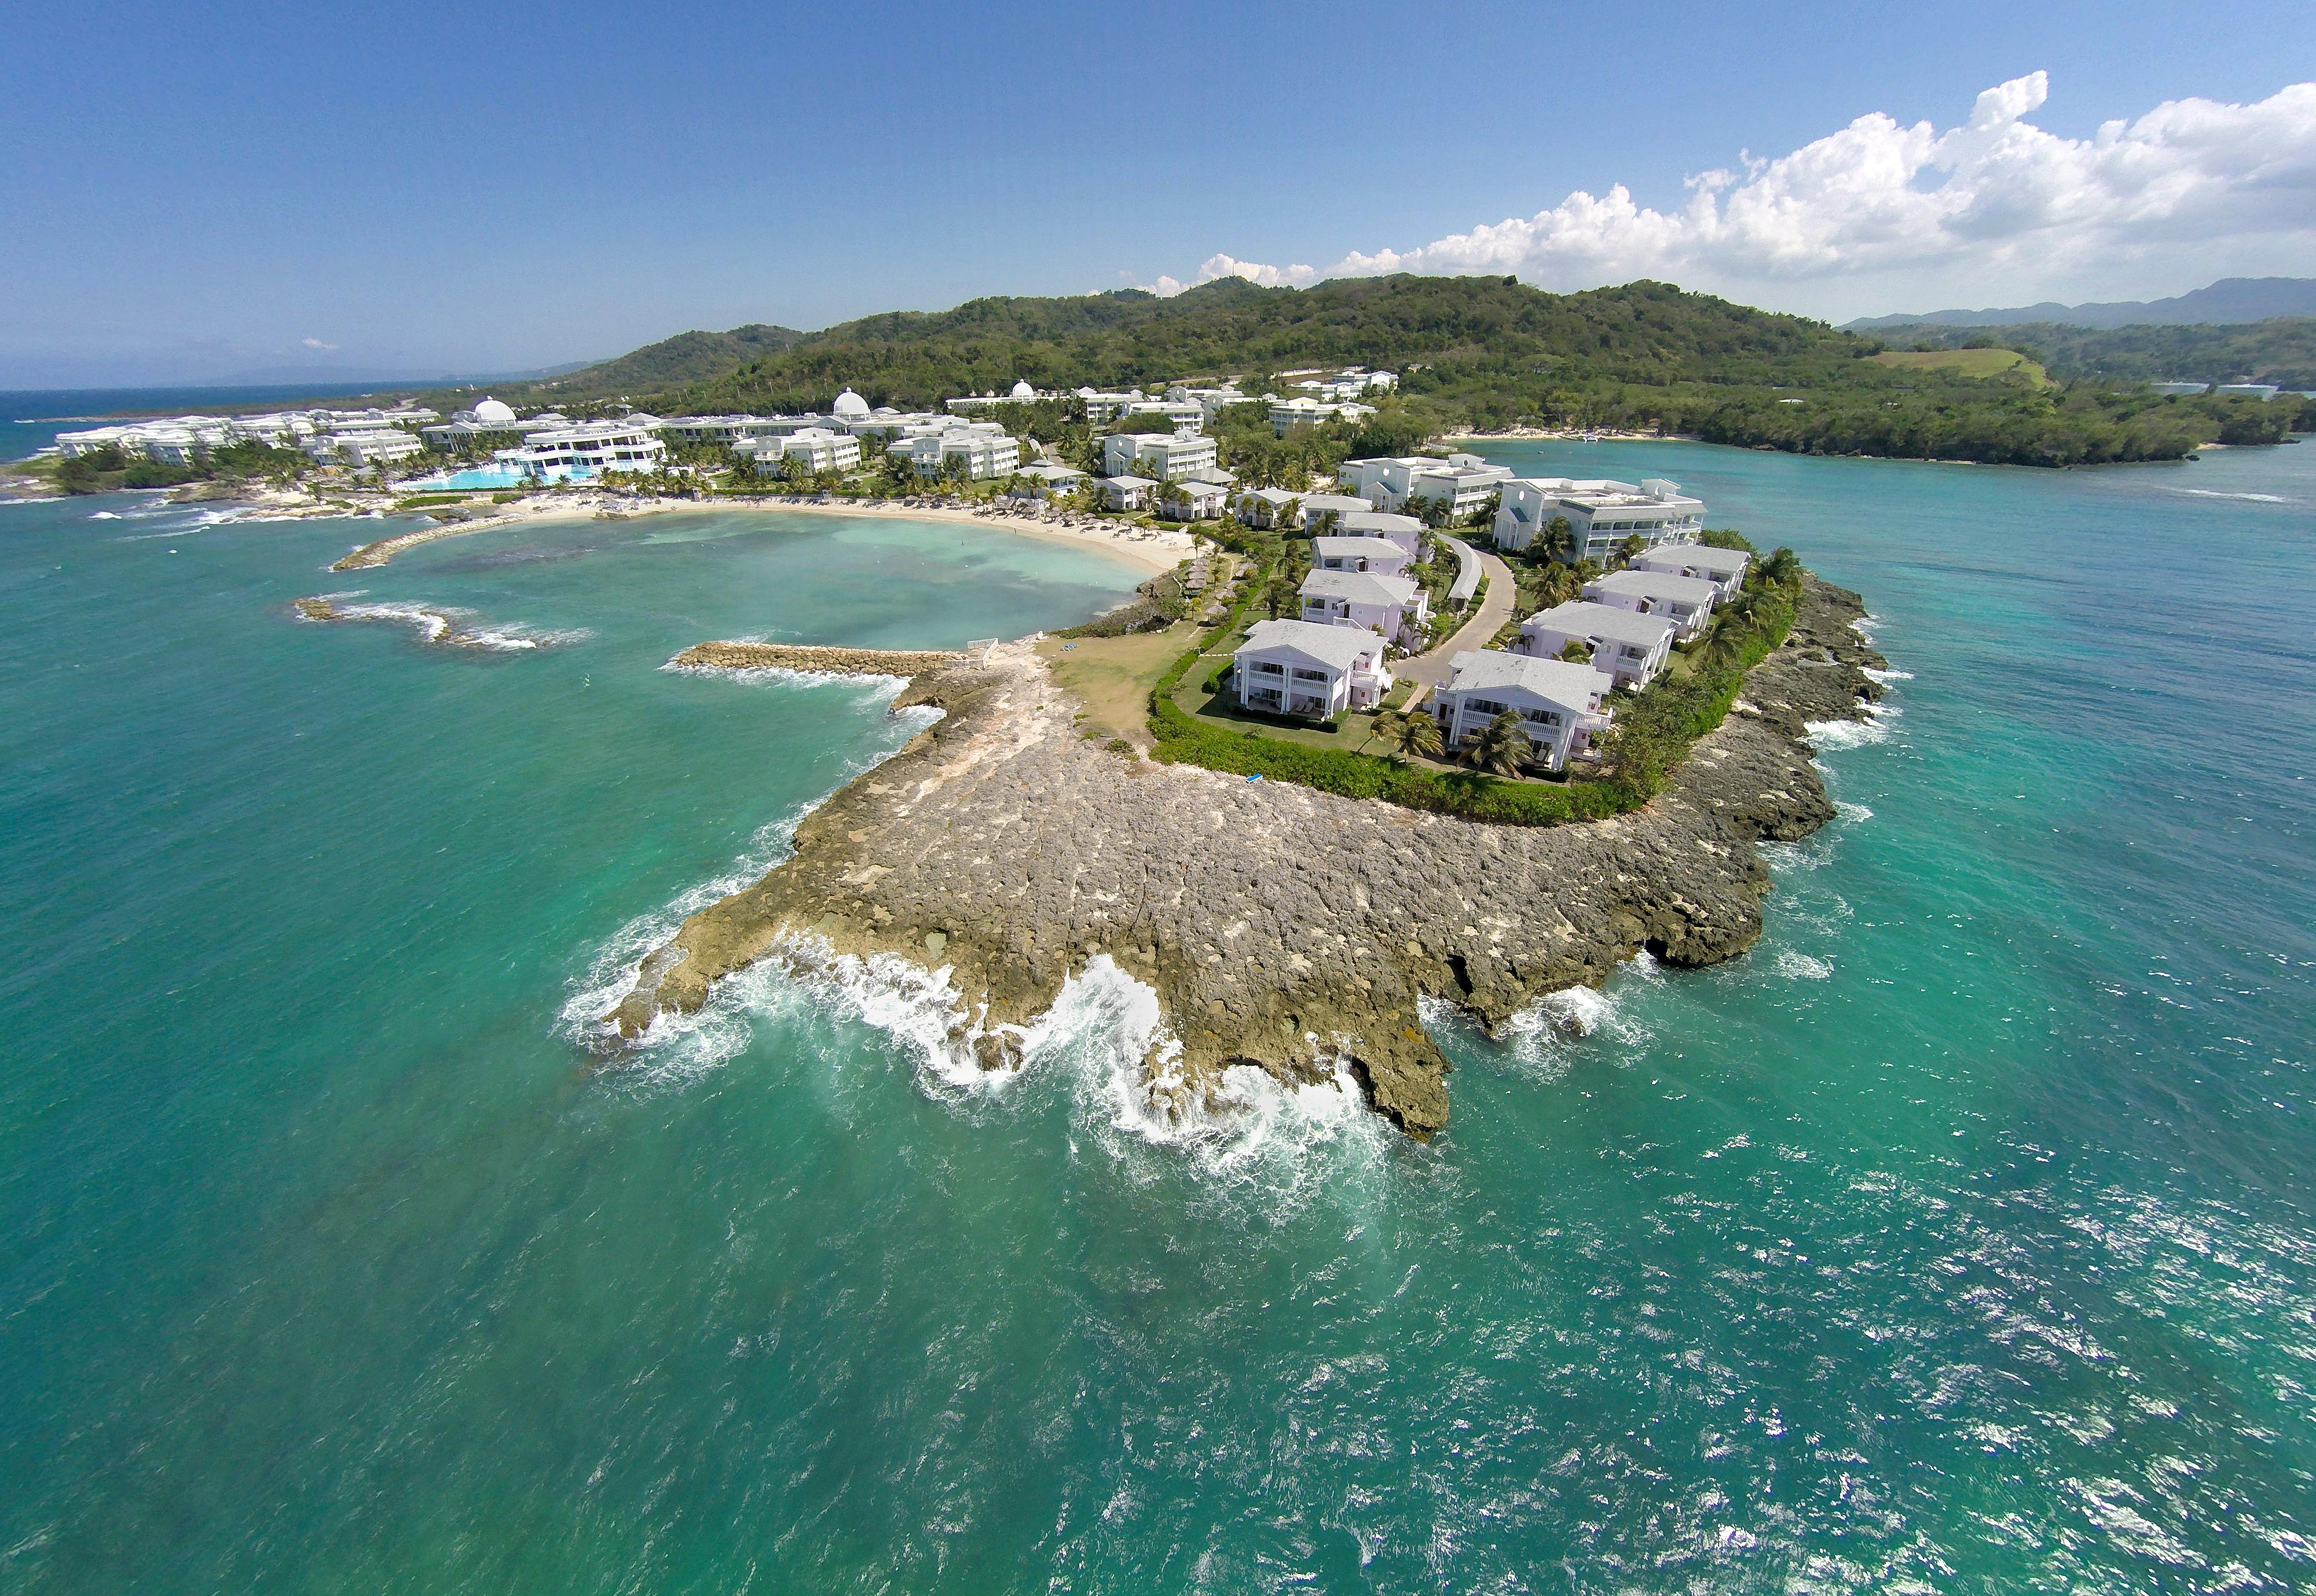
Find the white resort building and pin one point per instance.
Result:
(983, 449)
(1045, 480)
(1629, 646)
(1685, 600)
(1126, 493)
(1394, 607)
(1316, 505)
(1401, 529)
(1263, 507)
(733, 430)
(588, 449)
(1192, 500)
(1380, 555)
(810, 448)
(1601, 514)
(1161, 455)
(1463, 483)
(1293, 668)
(1724, 568)
(1292, 415)
(1102, 409)
(1558, 703)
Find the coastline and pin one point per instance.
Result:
(1281, 926)
(1151, 549)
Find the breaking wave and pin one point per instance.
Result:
(2216, 493)
(448, 625)
(1834, 737)
(1542, 1039)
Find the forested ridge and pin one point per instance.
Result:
(1473, 353)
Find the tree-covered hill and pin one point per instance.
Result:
(1473, 353)
(2281, 350)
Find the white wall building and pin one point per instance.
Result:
(1102, 409)
(1464, 483)
(1045, 481)
(732, 431)
(1263, 507)
(1403, 530)
(1558, 703)
(1316, 506)
(1292, 415)
(1601, 514)
(1379, 555)
(1126, 493)
(1724, 568)
(1293, 668)
(1628, 646)
(588, 449)
(983, 449)
(1184, 420)
(813, 448)
(1192, 500)
(1156, 454)
(1394, 607)
(1685, 600)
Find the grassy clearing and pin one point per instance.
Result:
(1113, 676)
(1965, 362)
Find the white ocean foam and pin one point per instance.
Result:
(781, 675)
(1799, 966)
(1541, 1038)
(1884, 678)
(434, 622)
(105, 515)
(1852, 813)
(2248, 498)
(430, 622)
(1834, 737)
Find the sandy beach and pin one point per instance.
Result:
(1149, 548)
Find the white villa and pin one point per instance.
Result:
(1293, 668)
(183, 440)
(1263, 507)
(490, 424)
(1380, 555)
(1464, 483)
(1628, 646)
(1403, 530)
(1601, 514)
(1163, 455)
(1724, 568)
(1391, 606)
(1126, 493)
(1350, 384)
(1558, 703)
(1193, 498)
(1021, 394)
(365, 445)
(1685, 600)
(585, 448)
(1315, 505)
(1290, 415)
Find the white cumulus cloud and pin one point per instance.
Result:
(315, 343)
(1993, 207)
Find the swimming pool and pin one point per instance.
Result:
(480, 477)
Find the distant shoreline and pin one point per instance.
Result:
(1147, 549)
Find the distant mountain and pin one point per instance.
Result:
(2281, 350)
(2230, 300)
(677, 362)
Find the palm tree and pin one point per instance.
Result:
(1503, 746)
(1781, 567)
(1723, 649)
(1417, 735)
(1560, 540)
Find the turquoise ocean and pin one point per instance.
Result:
(1958, 1239)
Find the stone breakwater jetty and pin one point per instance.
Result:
(1280, 926)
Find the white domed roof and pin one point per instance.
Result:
(1023, 390)
(849, 404)
(493, 410)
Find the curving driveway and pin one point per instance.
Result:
(1430, 667)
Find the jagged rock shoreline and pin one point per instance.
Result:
(1281, 926)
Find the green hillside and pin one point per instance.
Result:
(2282, 352)
(1472, 353)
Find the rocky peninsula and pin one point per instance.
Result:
(1281, 926)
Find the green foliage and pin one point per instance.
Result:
(674, 362)
(2281, 350)
(112, 468)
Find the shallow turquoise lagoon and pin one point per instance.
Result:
(1958, 1239)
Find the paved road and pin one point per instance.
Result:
(1431, 669)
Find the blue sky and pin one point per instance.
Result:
(201, 193)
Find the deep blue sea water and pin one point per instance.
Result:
(1958, 1239)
